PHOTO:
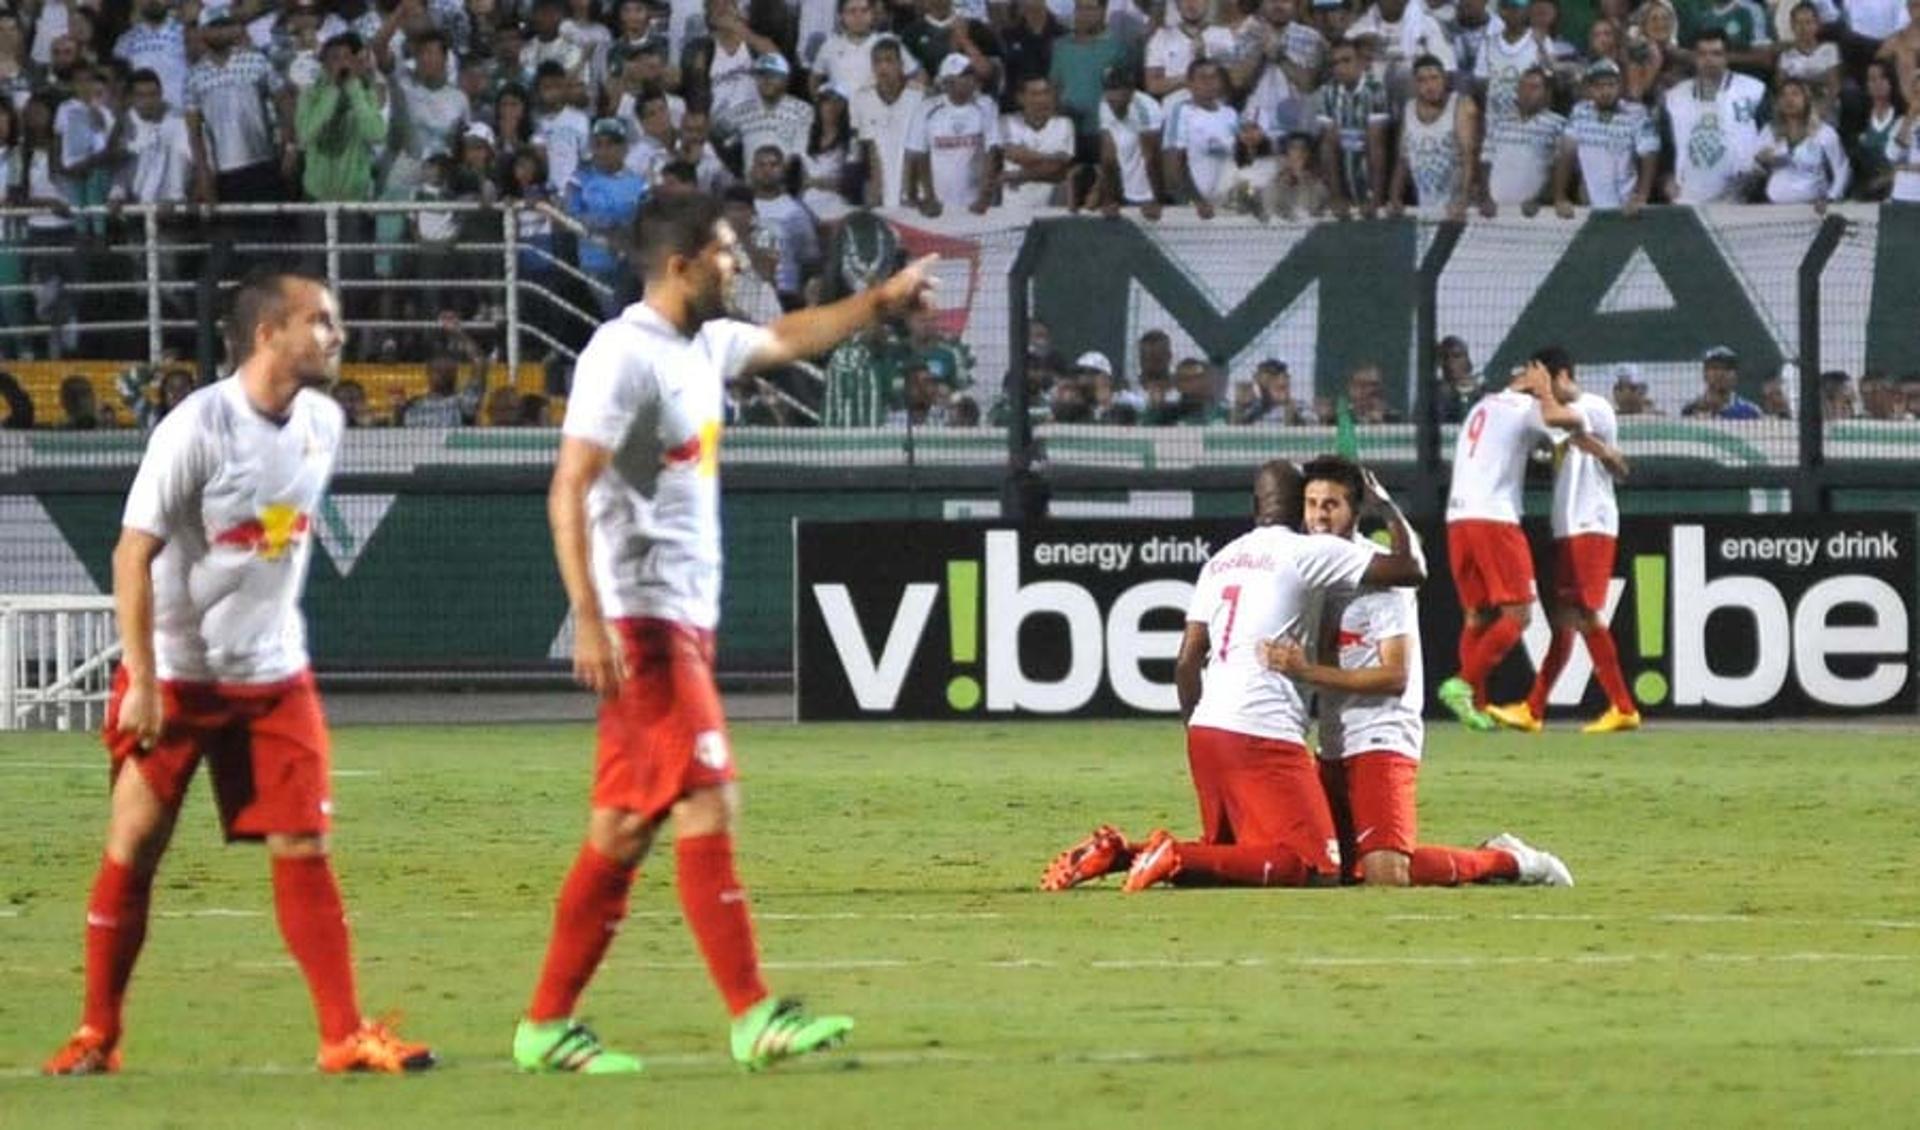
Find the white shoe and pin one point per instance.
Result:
(1537, 868)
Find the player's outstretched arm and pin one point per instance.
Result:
(1406, 565)
(1389, 678)
(597, 661)
(1194, 645)
(133, 614)
(814, 331)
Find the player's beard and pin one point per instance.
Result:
(710, 301)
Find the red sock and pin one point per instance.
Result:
(116, 926)
(1451, 867)
(1606, 667)
(1239, 865)
(593, 902)
(1550, 667)
(716, 910)
(1494, 644)
(314, 923)
(1470, 634)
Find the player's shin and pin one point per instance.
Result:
(1452, 867)
(116, 929)
(715, 905)
(1551, 665)
(313, 920)
(593, 902)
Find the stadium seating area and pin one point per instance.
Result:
(566, 114)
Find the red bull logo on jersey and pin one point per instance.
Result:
(702, 450)
(279, 527)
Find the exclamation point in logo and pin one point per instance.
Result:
(963, 630)
(1650, 614)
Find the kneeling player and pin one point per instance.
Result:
(1370, 728)
(1265, 818)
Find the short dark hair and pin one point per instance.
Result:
(1338, 470)
(669, 226)
(1426, 61)
(885, 43)
(429, 38)
(260, 299)
(144, 74)
(737, 194)
(1554, 359)
(682, 171)
(348, 39)
(1710, 32)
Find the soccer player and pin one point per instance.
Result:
(1586, 524)
(1368, 674)
(1492, 567)
(207, 576)
(1265, 818)
(635, 510)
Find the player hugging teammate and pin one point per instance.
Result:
(1303, 605)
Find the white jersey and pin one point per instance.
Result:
(655, 398)
(1207, 137)
(886, 125)
(1054, 138)
(1143, 117)
(1353, 724)
(1583, 501)
(234, 495)
(956, 137)
(1262, 585)
(1490, 457)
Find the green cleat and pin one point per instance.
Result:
(1456, 694)
(774, 1030)
(558, 1046)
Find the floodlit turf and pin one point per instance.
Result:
(1743, 947)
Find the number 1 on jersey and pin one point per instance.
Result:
(1230, 594)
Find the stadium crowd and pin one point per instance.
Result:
(801, 112)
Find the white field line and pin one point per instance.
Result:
(1885, 1052)
(102, 766)
(1297, 961)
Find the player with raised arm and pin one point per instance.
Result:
(1492, 566)
(1368, 672)
(1265, 819)
(635, 510)
(207, 576)
(1586, 529)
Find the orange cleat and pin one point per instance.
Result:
(1613, 722)
(87, 1052)
(374, 1048)
(1517, 716)
(1158, 861)
(1103, 852)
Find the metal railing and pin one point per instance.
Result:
(144, 244)
(57, 655)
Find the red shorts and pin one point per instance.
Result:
(265, 747)
(1261, 791)
(1374, 808)
(663, 735)
(1491, 563)
(1582, 569)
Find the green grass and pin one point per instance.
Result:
(1741, 950)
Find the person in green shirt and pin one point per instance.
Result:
(864, 376)
(1078, 70)
(339, 123)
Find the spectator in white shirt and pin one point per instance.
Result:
(1037, 147)
(1185, 35)
(1200, 136)
(158, 43)
(1715, 124)
(791, 224)
(1403, 32)
(84, 125)
(560, 129)
(883, 116)
(1808, 59)
(546, 44)
(954, 145)
(1903, 149)
(770, 116)
(1520, 150)
(428, 110)
(1130, 125)
(1803, 157)
(159, 155)
(228, 96)
(1614, 145)
(846, 59)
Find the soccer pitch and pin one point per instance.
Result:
(1743, 947)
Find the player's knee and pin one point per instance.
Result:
(707, 812)
(1520, 614)
(620, 835)
(303, 846)
(1385, 869)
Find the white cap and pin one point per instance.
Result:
(1096, 361)
(954, 65)
(481, 131)
(1626, 371)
